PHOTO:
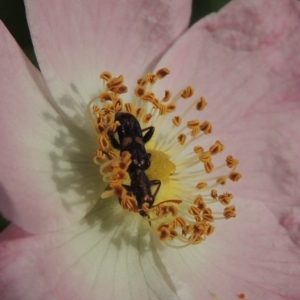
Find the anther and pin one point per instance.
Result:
(221, 180)
(207, 217)
(180, 222)
(149, 96)
(139, 112)
(147, 118)
(106, 97)
(100, 154)
(162, 109)
(171, 107)
(103, 142)
(187, 92)
(115, 126)
(229, 212)
(109, 120)
(194, 211)
(210, 229)
(198, 199)
(231, 162)
(195, 131)
(139, 91)
(181, 138)
(205, 157)
(201, 104)
(198, 149)
(96, 111)
(145, 207)
(173, 210)
(225, 198)
(193, 123)
(129, 107)
(167, 96)
(119, 89)
(206, 127)
(216, 148)
(115, 82)
(164, 234)
(214, 194)
(201, 185)
(208, 167)
(119, 190)
(105, 75)
(110, 154)
(119, 175)
(161, 73)
(129, 203)
(176, 121)
(117, 105)
(142, 82)
(235, 176)
(100, 127)
(152, 78)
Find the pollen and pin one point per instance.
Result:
(161, 166)
(187, 174)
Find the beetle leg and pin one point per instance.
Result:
(128, 188)
(149, 133)
(113, 140)
(158, 183)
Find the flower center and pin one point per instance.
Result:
(161, 166)
(157, 175)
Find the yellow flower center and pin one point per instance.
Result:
(169, 179)
(161, 166)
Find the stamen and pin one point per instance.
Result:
(188, 92)
(186, 203)
(201, 104)
(182, 138)
(235, 176)
(216, 148)
(167, 96)
(206, 127)
(161, 73)
(176, 121)
(201, 185)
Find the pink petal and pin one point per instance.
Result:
(291, 222)
(75, 42)
(48, 178)
(106, 256)
(245, 61)
(250, 255)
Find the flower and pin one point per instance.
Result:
(62, 243)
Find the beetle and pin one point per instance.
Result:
(131, 139)
(140, 187)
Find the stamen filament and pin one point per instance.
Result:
(185, 216)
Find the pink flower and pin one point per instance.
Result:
(65, 244)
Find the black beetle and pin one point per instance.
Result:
(131, 139)
(140, 187)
